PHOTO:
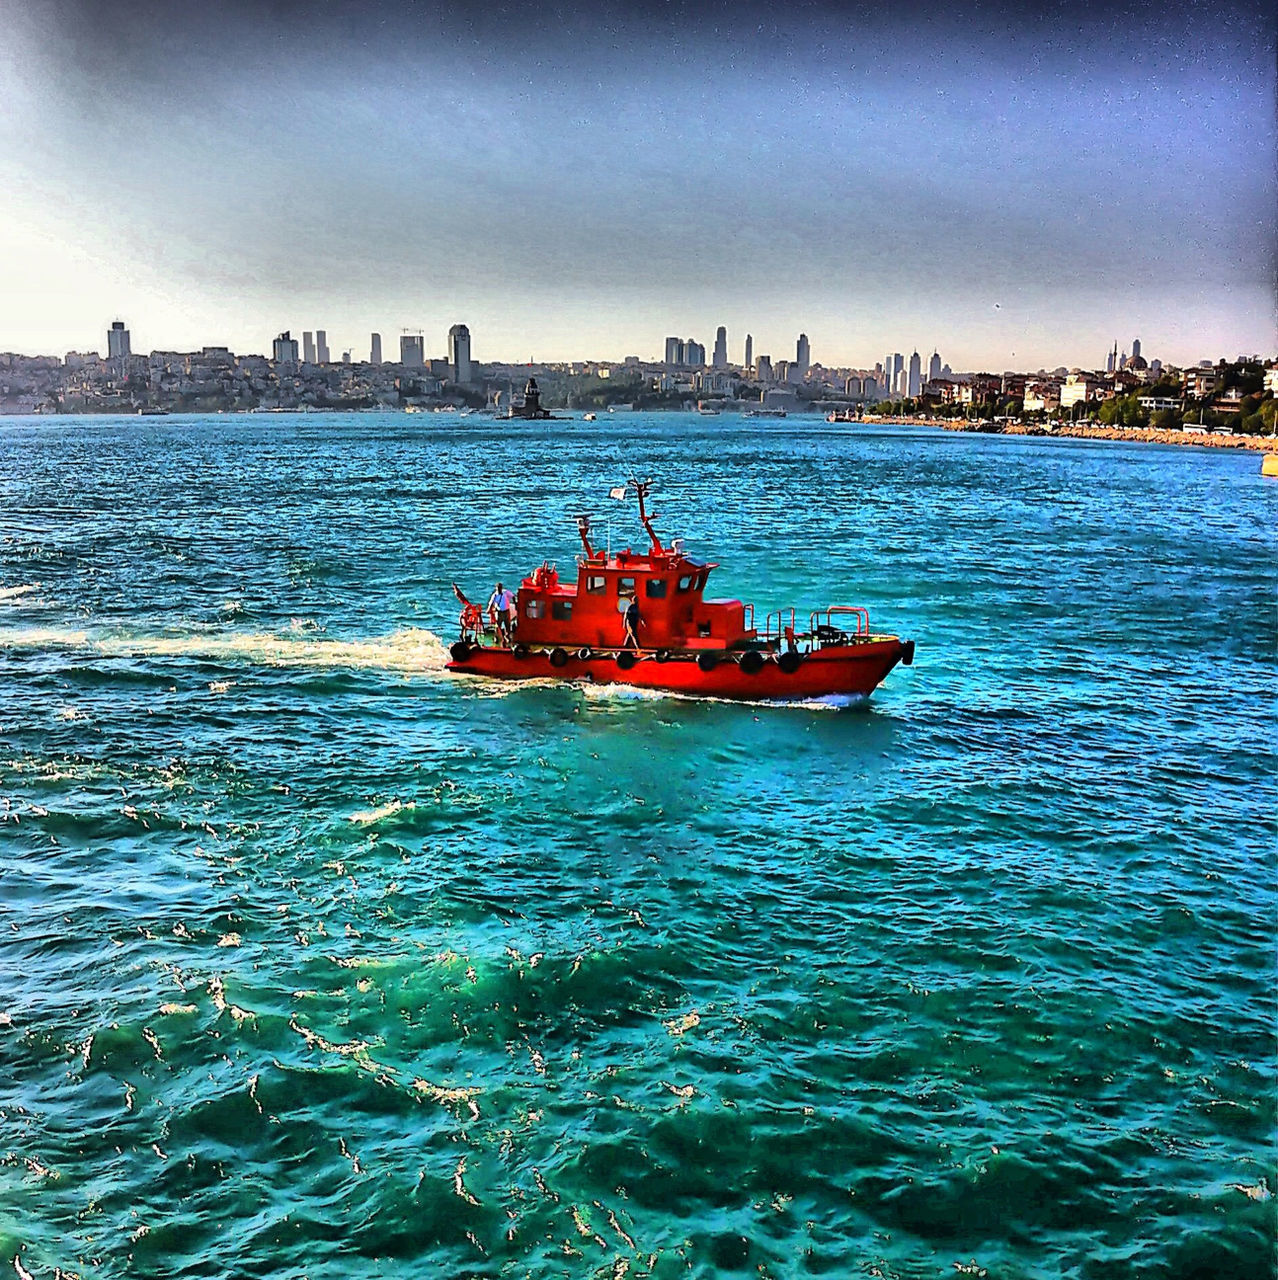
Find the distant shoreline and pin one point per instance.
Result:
(1077, 431)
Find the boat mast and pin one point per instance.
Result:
(583, 528)
(641, 489)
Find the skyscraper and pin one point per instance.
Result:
(673, 358)
(694, 354)
(284, 349)
(802, 356)
(886, 377)
(459, 353)
(934, 367)
(764, 370)
(1135, 348)
(915, 382)
(321, 346)
(118, 341)
(412, 351)
(308, 347)
(375, 349)
(721, 348)
(749, 351)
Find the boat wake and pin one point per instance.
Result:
(412, 650)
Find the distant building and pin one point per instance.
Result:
(802, 357)
(934, 367)
(721, 348)
(763, 369)
(749, 351)
(673, 357)
(412, 351)
(346, 357)
(284, 349)
(694, 355)
(375, 349)
(118, 341)
(914, 383)
(308, 347)
(321, 346)
(459, 353)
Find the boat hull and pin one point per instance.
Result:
(854, 669)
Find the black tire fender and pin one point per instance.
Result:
(790, 662)
(460, 651)
(520, 651)
(662, 655)
(707, 661)
(627, 659)
(584, 654)
(558, 657)
(751, 662)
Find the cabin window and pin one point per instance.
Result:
(535, 609)
(596, 584)
(625, 584)
(656, 588)
(561, 610)
(701, 580)
(685, 583)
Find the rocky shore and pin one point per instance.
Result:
(1147, 435)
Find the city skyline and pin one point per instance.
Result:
(1012, 188)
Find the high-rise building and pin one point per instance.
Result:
(885, 380)
(900, 382)
(308, 347)
(118, 341)
(673, 357)
(721, 348)
(763, 370)
(934, 367)
(375, 349)
(802, 357)
(459, 353)
(1135, 348)
(694, 354)
(914, 383)
(784, 371)
(321, 346)
(284, 349)
(749, 351)
(412, 351)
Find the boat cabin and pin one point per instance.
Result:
(668, 586)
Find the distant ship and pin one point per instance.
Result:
(843, 415)
(766, 413)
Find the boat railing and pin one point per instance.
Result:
(747, 617)
(779, 625)
(825, 630)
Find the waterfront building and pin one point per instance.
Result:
(284, 349)
(721, 348)
(375, 349)
(308, 347)
(934, 367)
(763, 369)
(802, 357)
(749, 352)
(321, 346)
(118, 341)
(914, 382)
(412, 351)
(459, 353)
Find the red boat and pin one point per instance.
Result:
(685, 643)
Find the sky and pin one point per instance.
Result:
(576, 181)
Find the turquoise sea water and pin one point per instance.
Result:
(315, 961)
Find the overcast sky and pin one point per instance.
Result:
(579, 180)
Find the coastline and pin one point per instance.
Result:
(1078, 431)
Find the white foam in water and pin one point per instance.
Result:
(16, 593)
(411, 650)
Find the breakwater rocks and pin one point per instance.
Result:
(1148, 435)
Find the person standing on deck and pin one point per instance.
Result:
(501, 608)
(633, 623)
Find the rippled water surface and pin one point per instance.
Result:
(315, 961)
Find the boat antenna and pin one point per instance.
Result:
(641, 490)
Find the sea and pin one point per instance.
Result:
(318, 961)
